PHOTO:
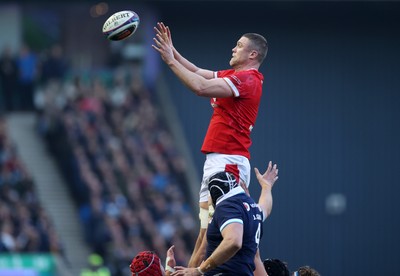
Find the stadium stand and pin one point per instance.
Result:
(25, 225)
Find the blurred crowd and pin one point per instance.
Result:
(23, 70)
(121, 164)
(24, 225)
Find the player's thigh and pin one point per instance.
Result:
(238, 165)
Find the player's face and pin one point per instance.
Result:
(240, 54)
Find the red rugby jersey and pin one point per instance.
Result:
(234, 117)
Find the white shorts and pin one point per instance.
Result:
(216, 162)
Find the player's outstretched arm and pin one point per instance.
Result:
(267, 181)
(210, 88)
(161, 29)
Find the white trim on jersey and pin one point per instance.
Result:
(229, 221)
(233, 192)
(233, 87)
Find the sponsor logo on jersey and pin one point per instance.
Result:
(247, 206)
(254, 205)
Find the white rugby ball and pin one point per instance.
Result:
(121, 25)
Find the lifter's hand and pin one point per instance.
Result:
(163, 43)
(267, 179)
(161, 29)
(170, 257)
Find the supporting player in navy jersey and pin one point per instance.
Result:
(235, 96)
(235, 230)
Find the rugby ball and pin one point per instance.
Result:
(121, 25)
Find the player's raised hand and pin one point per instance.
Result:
(170, 262)
(161, 29)
(163, 43)
(269, 177)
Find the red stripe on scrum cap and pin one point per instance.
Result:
(233, 169)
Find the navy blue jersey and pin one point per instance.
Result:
(238, 208)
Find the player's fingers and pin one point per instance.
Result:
(157, 30)
(168, 31)
(269, 167)
(160, 38)
(162, 25)
(157, 42)
(171, 249)
(155, 48)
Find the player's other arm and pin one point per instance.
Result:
(161, 29)
(210, 88)
(266, 181)
(208, 74)
(231, 243)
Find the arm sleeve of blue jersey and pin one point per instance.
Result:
(228, 213)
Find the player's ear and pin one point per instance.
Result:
(253, 54)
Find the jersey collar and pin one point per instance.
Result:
(231, 193)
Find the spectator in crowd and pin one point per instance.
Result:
(54, 67)
(27, 76)
(8, 79)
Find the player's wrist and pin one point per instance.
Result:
(207, 265)
(167, 265)
(267, 185)
(199, 270)
(169, 268)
